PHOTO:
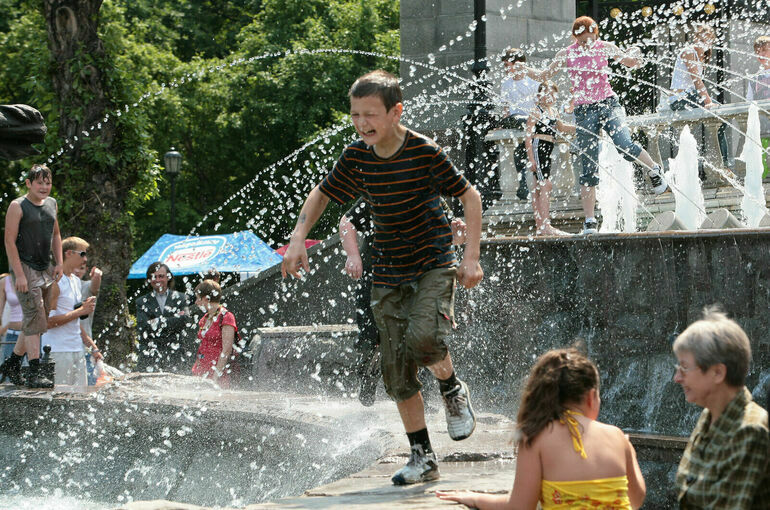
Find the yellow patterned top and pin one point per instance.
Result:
(601, 494)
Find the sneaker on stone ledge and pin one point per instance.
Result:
(590, 226)
(659, 184)
(422, 467)
(460, 420)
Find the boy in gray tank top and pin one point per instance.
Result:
(31, 235)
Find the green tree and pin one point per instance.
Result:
(238, 87)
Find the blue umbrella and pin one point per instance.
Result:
(241, 252)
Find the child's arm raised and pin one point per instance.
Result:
(469, 274)
(548, 72)
(296, 255)
(12, 219)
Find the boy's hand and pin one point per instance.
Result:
(88, 306)
(21, 283)
(294, 260)
(96, 273)
(458, 232)
(469, 274)
(354, 267)
(58, 272)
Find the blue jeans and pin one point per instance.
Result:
(8, 343)
(689, 102)
(608, 115)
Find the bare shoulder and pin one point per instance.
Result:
(15, 205)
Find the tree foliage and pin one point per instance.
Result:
(237, 87)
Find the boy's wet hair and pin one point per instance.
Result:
(378, 83)
(513, 55)
(762, 42)
(39, 172)
(547, 85)
(585, 24)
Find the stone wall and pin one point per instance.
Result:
(626, 296)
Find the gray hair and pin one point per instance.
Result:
(716, 339)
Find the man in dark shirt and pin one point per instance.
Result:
(31, 235)
(162, 319)
(402, 175)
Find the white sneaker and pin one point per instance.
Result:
(460, 420)
(659, 184)
(421, 467)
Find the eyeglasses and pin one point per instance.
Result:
(81, 253)
(679, 369)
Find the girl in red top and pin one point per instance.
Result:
(216, 333)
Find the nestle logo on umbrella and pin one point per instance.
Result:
(191, 252)
(189, 255)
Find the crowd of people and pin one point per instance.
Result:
(565, 457)
(532, 106)
(409, 266)
(51, 297)
(165, 321)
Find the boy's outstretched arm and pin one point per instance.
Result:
(296, 255)
(469, 274)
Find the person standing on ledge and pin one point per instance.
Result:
(597, 108)
(726, 463)
(519, 92)
(31, 236)
(401, 175)
(66, 332)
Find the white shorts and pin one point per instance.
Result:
(70, 369)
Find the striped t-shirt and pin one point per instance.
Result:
(412, 233)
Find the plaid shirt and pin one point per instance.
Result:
(725, 464)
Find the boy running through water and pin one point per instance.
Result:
(401, 175)
(31, 235)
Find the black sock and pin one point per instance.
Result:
(34, 363)
(421, 438)
(448, 383)
(15, 358)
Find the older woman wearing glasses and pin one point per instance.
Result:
(725, 464)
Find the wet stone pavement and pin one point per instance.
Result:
(483, 462)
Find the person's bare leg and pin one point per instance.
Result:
(588, 200)
(646, 159)
(442, 369)
(21, 347)
(31, 346)
(412, 411)
(545, 208)
(537, 208)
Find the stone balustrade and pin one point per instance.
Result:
(512, 215)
